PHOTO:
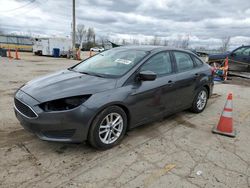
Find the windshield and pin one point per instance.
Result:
(111, 63)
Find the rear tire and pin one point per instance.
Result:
(108, 128)
(200, 101)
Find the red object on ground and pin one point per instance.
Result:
(226, 68)
(9, 54)
(16, 53)
(225, 125)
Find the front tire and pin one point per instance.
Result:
(108, 128)
(200, 101)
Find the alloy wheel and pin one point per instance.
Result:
(111, 128)
(202, 99)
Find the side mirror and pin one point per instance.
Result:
(147, 76)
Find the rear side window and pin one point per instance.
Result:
(197, 61)
(183, 61)
(159, 64)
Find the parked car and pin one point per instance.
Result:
(239, 59)
(202, 55)
(102, 97)
(97, 49)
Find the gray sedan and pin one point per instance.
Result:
(101, 98)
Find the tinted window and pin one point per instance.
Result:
(246, 52)
(183, 61)
(159, 64)
(239, 51)
(197, 61)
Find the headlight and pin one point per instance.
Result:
(64, 104)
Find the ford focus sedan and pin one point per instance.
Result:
(102, 97)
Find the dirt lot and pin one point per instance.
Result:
(179, 151)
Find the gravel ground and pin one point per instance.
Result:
(178, 151)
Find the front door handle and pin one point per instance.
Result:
(170, 83)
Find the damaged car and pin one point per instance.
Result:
(102, 97)
(238, 59)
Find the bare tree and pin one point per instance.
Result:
(104, 40)
(165, 42)
(146, 41)
(135, 41)
(181, 42)
(155, 41)
(91, 35)
(185, 42)
(80, 34)
(124, 41)
(225, 43)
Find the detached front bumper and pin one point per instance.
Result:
(62, 126)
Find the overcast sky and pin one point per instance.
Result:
(205, 21)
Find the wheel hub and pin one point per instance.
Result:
(202, 99)
(111, 128)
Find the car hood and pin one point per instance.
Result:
(218, 56)
(66, 84)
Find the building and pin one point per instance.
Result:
(23, 43)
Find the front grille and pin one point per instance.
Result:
(24, 109)
(63, 134)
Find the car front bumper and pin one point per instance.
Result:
(62, 126)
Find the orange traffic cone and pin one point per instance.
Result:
(16, 53)
(226, 68)
(78, 54)
(225, 125)
(9, 53)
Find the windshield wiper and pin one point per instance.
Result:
(92, 74)
(71, 69)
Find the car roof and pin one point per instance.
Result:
(151, 48)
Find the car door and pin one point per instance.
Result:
(239, 59)
(150, 97)
(185, 79)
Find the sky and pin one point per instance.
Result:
(204, 21)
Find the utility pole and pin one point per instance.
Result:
(74, 28)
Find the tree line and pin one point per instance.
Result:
(85, 37)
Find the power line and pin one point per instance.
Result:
(28, 9)
(23, 6)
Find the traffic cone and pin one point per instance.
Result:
(226, 63)
(9, 53)
(225, 125)
(16, 53)
(78, 54)
(226, 68)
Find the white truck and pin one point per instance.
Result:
(45, 46)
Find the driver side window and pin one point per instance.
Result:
(246, 52)
(159, 64)
(240, 51)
